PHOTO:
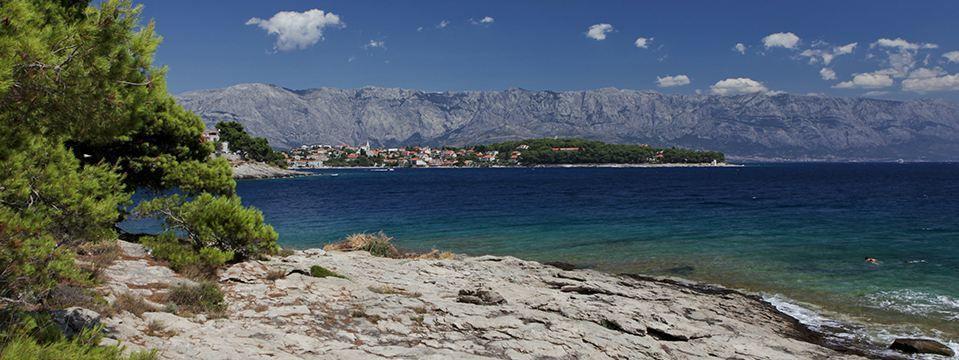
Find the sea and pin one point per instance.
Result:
(796, 234)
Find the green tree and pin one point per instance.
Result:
(251, 148)
(86, 119)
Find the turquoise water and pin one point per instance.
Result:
(795, 231)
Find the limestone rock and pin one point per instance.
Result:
(74, 320)
(921, 346)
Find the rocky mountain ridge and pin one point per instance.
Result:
(757, 126)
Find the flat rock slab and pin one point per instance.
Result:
(414, 309)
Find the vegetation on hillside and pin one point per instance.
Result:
(580, 151)
(86, 120)
(251, 148)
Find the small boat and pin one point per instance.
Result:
(334, 174)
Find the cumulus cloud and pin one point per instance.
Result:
(297, 30)
(826, 56)
(934, 83)
(670, 81)
(952, 56)
(443, 24)
(902, 44)
(642, 42)
(925, 73)
(827, 74)
(786, 40)
(598, 31)
(375, 44)
(740, 48)
(737, 86)
(874, 80)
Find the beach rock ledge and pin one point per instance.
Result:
(469, 308)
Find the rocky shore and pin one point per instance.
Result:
(258, 170)
(466, 308)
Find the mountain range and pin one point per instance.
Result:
(747, 127)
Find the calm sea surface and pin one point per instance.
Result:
(791, 231)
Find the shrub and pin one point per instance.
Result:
(182, 257)
(34, 336)
(322, 272)
(205, 298)
(377, 244)
(208, 221)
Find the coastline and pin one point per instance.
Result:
(257, 170)
(477, 307)
(559, 166)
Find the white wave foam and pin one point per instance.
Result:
(915, 302)
(849, 329)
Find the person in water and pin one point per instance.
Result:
(872, 260)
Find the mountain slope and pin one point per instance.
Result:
(791, 127)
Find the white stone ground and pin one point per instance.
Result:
(388, 308)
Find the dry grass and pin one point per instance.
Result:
(390, 290)
(202, 298)
(157, 328)
(274, 275)
(436, 255)
(132, 303)
(94, 257)
(377, 244)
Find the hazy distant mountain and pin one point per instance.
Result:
(793, 127)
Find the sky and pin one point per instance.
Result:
(883, 49)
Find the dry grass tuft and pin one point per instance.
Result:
(132, 303)
(377, 244)
(274, 275)
(157, 328)
(436, 255)
(390, 290)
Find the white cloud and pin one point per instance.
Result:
(826, 56)
(827, 74)
(925, 73)
(786, 40)
(599, 31)
(670, 81)
(419, 29)
(875, 93)
(737, 86)
(936, 83)
(297, 30)
(486, 20)
(902, 44)
(952, 56)
(874, 80)
(642, 42)
(443, 24)
(375, 44)
(740, 48)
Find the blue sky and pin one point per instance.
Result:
(902, 49)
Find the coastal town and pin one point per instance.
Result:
(531, 152)
(321, 156)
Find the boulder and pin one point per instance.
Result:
(74, 320)
(921, 346)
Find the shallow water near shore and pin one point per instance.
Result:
(796, 232)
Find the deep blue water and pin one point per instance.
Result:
(799, 230)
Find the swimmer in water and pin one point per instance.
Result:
(872, 260)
